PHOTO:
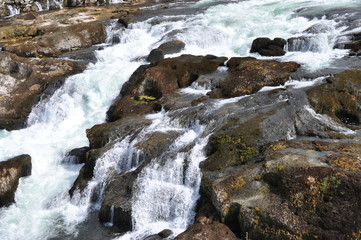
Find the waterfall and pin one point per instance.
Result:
(13, 10)
(166, 191)
(38, 5)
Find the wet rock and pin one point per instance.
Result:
(125, 21)
(248, 75)
(214, 231)
(76, 156)
(22, 83)
(172, 47)
(268, 47)
(154, 83)
(351, 42)
(155, 55)
(116, 206)
(339, 97)
(10, 173)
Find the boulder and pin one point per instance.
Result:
(149, 85)
(155, 55)
(10, 173)
(214, 231)
(76, 156)
(172, 47)
(22, 83)
(248, 75)
(268, 47)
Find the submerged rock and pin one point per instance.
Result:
(10, 173)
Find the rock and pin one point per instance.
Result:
(248, 75)
(351, 42)
(155, 55)
(10, 173)
(158, 81)
(161, 235)
(76, 156)
(64, 39)
(125, 21)
(172, 47)
(117, 202)
(214, 231)
(268, 47)
(23, 81)
(339, 98)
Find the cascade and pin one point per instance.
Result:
(38, 5)
(13, 10)
(169, 184)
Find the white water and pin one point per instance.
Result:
(56, 3)
(13, 10)
(38, 5)
(57, 125)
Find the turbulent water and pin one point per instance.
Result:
(43, 208)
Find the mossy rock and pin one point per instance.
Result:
(339, 97)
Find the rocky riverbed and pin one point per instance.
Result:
(279, 143)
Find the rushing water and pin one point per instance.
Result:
(56, 125)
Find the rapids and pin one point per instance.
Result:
(43, 208)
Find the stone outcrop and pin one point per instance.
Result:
(268, 47)
(65, 39)
(150, 85)
(339, 97)
(247, 75)
(23, 81)
(10, 173)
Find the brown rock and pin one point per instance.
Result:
(10, 172)
(214, 231)
(153, 83)
(268, 47)
(248, 75)
(172, 47)
(339, 97)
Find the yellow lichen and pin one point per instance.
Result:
(143, 99)
(238, 183)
